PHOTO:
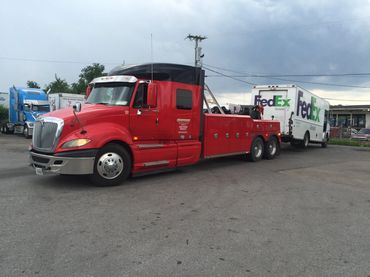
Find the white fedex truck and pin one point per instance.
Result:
(303, 116)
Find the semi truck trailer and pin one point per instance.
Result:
(145, 118)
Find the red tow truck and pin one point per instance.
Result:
(145, 118)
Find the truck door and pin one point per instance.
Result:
(144, 123)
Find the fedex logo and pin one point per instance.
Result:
(275, 101)
(308, 110)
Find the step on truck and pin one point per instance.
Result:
(145, 118)
(25, 105)
(303, 115)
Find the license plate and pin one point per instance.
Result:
(39, 171)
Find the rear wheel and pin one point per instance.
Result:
(271, 148)
(112, 166)
(306, 140)
(256, 151)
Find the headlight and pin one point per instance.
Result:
(75, 143)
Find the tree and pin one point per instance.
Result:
(58, 86)
(32, 84)
(87, 74)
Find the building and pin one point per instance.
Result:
(4, 99)
(353, 116)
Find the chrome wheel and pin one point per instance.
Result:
(272, 148)
(258, 150)
(110, 165)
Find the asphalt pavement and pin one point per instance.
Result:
(305, 213)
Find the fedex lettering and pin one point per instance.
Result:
(277, 100)
(308, 110)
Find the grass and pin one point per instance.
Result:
(348, 142)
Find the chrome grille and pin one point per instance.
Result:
(46, 132)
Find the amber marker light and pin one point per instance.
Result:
(135, 138)
(76, 143)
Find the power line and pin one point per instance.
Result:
(247, 75)
(243, 74)
(49, 61)
(228, 76)
(352, 100)
(300, 75)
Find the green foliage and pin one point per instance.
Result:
(58, 86)
(87, 74)
(3, 113)
(348, 142)
(32, 84)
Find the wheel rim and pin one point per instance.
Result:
(306, 140)
(258, 150)
(272, 148)
(110, 165)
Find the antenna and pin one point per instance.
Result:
(198, 49)
(151, 54)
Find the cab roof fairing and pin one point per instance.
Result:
(111, 79)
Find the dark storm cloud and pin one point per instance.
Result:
(292, 37)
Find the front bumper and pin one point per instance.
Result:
(74, 162)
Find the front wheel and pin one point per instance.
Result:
(112, 166)
(25, 132)
(256, 151)
(324, 144)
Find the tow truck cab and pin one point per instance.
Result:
(143, 118)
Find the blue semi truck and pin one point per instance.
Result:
(25, 105)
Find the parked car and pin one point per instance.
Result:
(362, 135)
(349, 132)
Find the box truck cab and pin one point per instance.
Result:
(144, 118)
(25, 105)
(303, 115)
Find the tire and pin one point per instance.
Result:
(305, 141)
(112, 166)
(324, 144)
(256, 151)
(271, 149)
(25, 132)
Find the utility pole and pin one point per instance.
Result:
(198, 49)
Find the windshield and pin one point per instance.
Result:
(40, 108)
(116, 94)
(364, 131)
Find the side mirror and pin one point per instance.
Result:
(77, 107)
(152, 95)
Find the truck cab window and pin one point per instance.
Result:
(184, 99)
(141, 96)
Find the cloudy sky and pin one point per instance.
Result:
(268, 37)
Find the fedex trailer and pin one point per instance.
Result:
(303, 116)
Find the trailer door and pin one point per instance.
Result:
(276, 106)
